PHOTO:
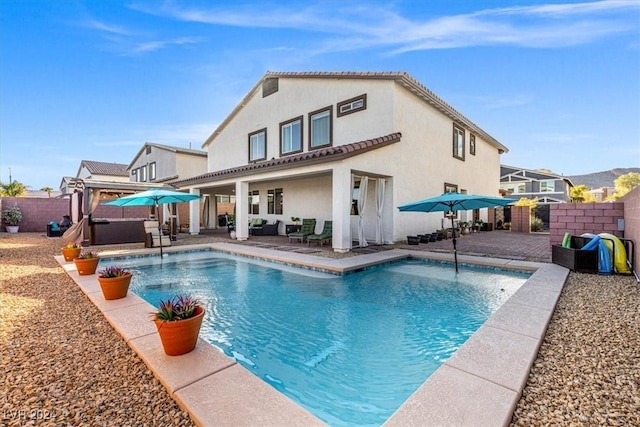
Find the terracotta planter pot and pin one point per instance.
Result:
(115, 287)
(86, 267)
(70, 254)
(181, 336)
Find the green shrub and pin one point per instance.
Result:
(536, 224)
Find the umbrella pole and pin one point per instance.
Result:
(455, 251)
(159, 228)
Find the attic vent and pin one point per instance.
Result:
(148, 149)
(269, 86)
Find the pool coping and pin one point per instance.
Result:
(479, 384)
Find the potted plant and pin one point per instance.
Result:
(114, 282)
(178, 321)
(464, 227)
(86, 263)
(11, 218)
(295, 220)
(71, 251)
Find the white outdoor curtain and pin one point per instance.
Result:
(380, 187)
(75, 233)
(362, 199)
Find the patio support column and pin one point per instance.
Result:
(341, 214)
(242, 210)
(194, 213)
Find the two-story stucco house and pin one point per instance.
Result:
(546, 186)
(166, 163)
(348, 147)
(96, 171)
(159, 163)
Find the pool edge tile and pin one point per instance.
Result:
(177, 372)
(496, 355)
(240, 398)
(471, 400)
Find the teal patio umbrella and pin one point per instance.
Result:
(153, 198)
(453, 202)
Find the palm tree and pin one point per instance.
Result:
(13, 189)
(47, 189)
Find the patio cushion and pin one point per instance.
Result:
(255, 222)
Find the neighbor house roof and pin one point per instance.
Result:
(403, 78)
(103, 168)
(517, 174)
(168, 148)
(322, 155)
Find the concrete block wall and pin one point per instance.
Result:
(579, 218)
(632, 221)
(37, 212)
(520, 219)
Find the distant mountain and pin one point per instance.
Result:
(601, 179)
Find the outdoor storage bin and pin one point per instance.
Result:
(574, 258)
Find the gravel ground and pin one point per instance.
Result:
(587, 372)
(63, 364)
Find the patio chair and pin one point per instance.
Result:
(308, 228)
(324, 236)
(154, 238)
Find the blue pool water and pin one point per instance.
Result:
(351, 349)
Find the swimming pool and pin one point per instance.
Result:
(351, 349)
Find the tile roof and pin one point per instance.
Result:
(322, 155)
(401, 77)
(104, 168)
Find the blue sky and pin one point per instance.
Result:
(557, 82)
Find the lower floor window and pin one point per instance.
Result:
(274, 201)
(254, 202)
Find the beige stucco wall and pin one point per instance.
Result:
(188, 165)
(299, 97)
(164, 159)
(415, 168)
(171, 164)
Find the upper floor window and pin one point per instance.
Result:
(143, 173)
(458, 142)
(352, 105)
(258, 145)
(152, 171)
(547, 186)
(320, 128)
(472, 144)
(291, 136)
(134, 175)
(450, 188)
(148, 149)
(515, 188)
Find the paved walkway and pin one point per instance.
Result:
(495, 244)
(498, 244)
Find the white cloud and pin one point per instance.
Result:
(151, 46)
(107, 28)
(372, 25)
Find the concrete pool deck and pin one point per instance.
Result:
(480, 384)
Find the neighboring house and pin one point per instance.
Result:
(602, 193)
(549, 188)
(164, 163)
(348, 147)
(96, 171)
(546, 186)
(158, 163)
